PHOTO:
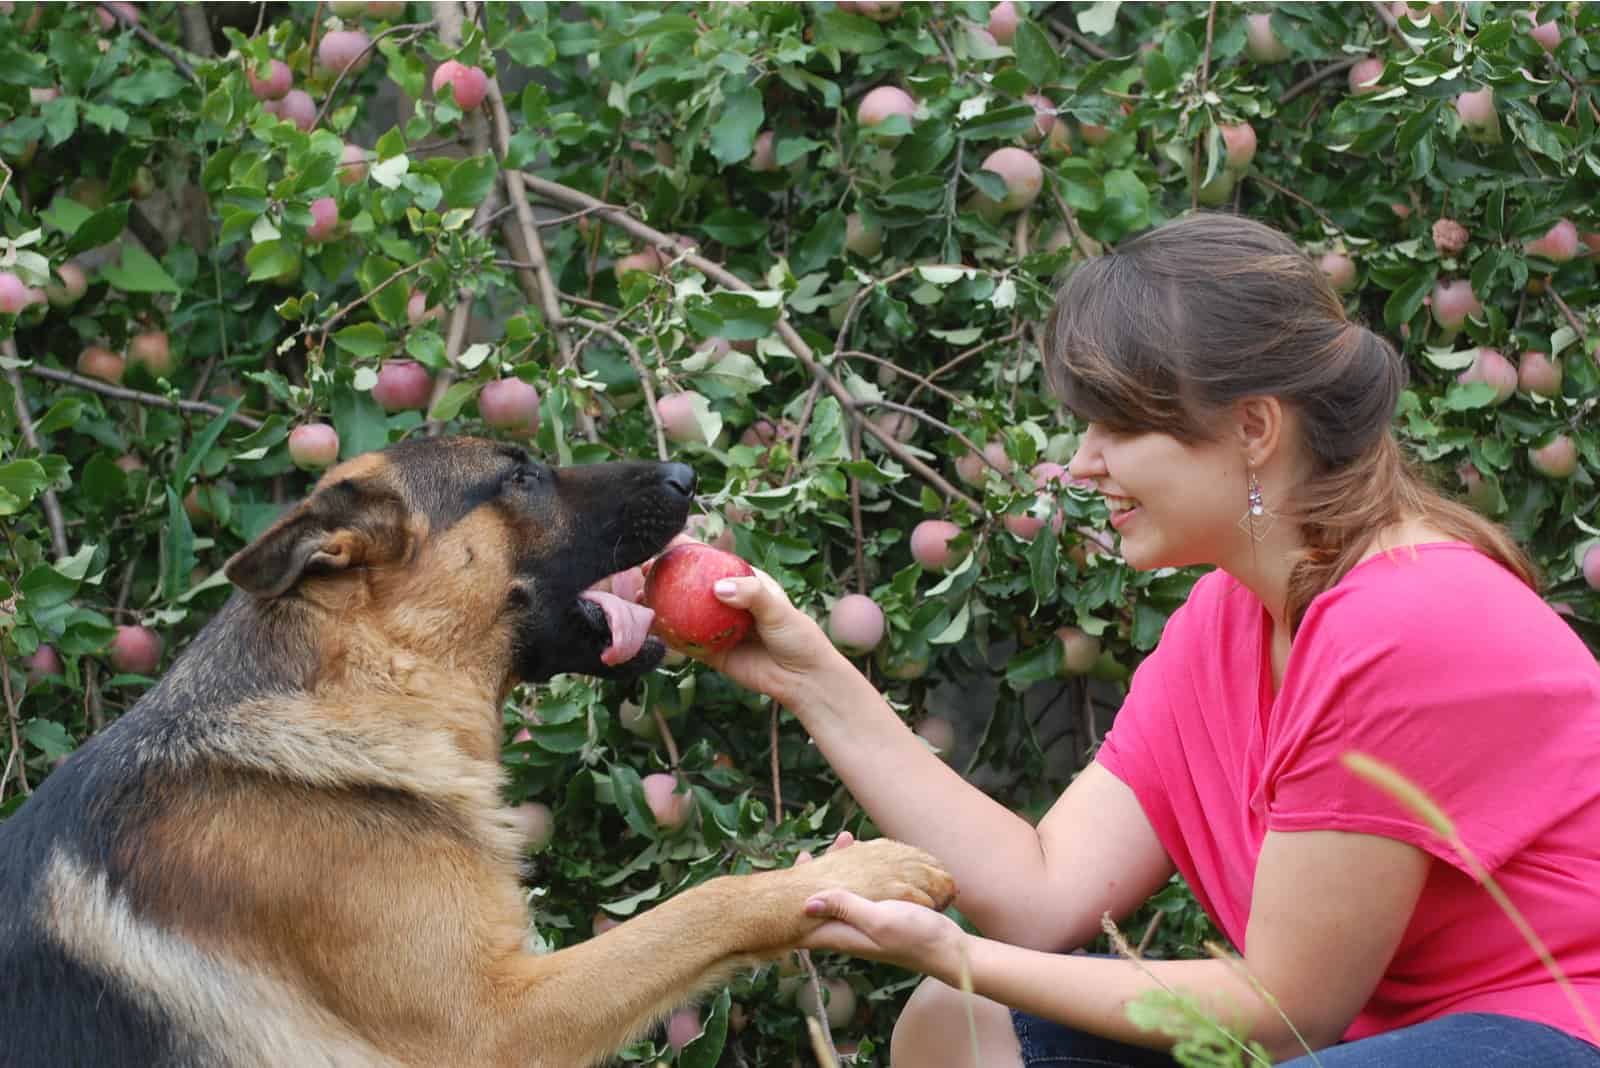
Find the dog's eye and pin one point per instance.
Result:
(525, 475)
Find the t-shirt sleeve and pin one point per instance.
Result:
(1404, 675)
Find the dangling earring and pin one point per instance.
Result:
(1257, 520)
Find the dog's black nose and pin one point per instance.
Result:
(679, 478)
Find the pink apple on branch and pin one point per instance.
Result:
(344, 51)
(930, 544)
(1558, 459)
(855, 623)
(274, 84)
(1454, 302)
(469, 85)
(152, 350)
(313, 446)
(510, 404)
(1491, 367)
(136, 650)
(96, 361)
(73, 285)
(1538, 374)
(1559, 244)
(402, 385)
(670, 808)
(1261, 42)
(882, 103)
(324, 219)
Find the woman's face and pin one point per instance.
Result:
(1173, 504)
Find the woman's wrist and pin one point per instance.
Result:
(827, 690)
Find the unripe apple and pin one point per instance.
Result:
(1364, 76)
(44, 663)
(1261, 43)
(688, 615)
(313, 446)
(1590, 566)
(324, 219)
(764, 156)
(1079, 651)
(648, 260)
(677, 414)
(671, 809)
(152, 350)
(1558, 245)
(469, 84)
(402, 384)
(855, 623)
(938, 732)
(1023, 175)
(510, 404)
(136, 650)
(344, 50)
(1547, 35)
(1478, 115)
(972, 469)
(1003, 21)
(15, 294)
(536, 823)
(1559, 459)
(1219, 189)
(930, 544)
(99, 362)
(278, 80)
(1454, 302)
(296, 107)
(1538, 374)
(683, 1027)
(1340, 271)
(1241, 143)
(73, 285)
(862, 238)
(1449, 236)
(353, 162)
(839, 997)
(419, 311)
(1491, 367)
(901, 665)
(882, 102)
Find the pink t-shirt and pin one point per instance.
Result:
(1440, 663)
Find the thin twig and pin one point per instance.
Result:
(52, 505)
(855, 512)
(151, 400)
(16, 738)
(1078, 236)
(1205, 76)
(666, 738)
(1317, 77)
(962, 357)
(1292, 195)
(1572, 320)
(1079, 39)
(777, 776)
(636, 360)
(856, 354)
(154, 42)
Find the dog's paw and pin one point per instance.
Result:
(884, 870)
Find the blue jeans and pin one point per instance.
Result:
(1460, 1040)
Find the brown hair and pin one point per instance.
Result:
(1183, 320)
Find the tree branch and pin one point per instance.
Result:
(152, 400)
(52, 505)
(1316, 77)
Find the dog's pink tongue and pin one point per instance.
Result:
(629, 622)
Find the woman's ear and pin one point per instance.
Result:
(1261, 428)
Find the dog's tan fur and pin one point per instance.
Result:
(330, 876)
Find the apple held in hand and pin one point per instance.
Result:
(689, 617)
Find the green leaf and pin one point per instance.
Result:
(706, 1049)
(50, 738)
(469, 181)
(361, 424)
(848, 32)
(63, 414)
(21, 481)
(454, 399)
(177, 549)
(363, 340)
(138, 272)
(1099, 19)
(821, 244)
(733, 135)
(628, 793)
(1405, 301)
(196, 454)
(98, 229)
(1036, 56)
(999, 124)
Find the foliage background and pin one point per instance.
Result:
(611, 127)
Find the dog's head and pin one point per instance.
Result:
(468, 552)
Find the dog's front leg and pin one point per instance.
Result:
(575, 1007)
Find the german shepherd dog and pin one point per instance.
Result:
(293, 850)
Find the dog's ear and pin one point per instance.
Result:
(340, 527)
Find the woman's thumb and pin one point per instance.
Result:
(829, 905)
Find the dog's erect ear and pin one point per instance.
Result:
(344, 526)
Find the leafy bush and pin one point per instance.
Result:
(869, 290)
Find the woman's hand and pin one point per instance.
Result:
(786, 650)
(897, 932)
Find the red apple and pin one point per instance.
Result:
(73, 285)
(1538, 374)
(1453, 303)
(469, 84)
(1261, 43)
(1092, 134)
(277, 81)
(44, 663)
(344, 50)
(1478, 115)
(402, 384)
(1044, 118)
(1023, 175)
(1590, 565)
(1546, 34)
(15, 294)
(324, 219)
(296, 107)
(136, 650)
(1491, 367)
(1079, 651)
(855, 623)
(862, 238)
(1340, 271)
(1003, 21)
(510, 404)
(1241, 143)
(677, 414)
(930, 544)
(1449, 236)
(1364, 76)
(683, 1027)
(353, 163)
(670, 808)
(764, 156)
(536, 823)
(98, 362)
(313, 446)
(649, 261)
(152, 350)
(938, 732)
(1558, 245)
(882, 102)
(1559, 459)
(689, 617)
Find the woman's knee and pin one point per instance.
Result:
(934, 1030)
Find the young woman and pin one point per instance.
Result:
(1237, 418)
